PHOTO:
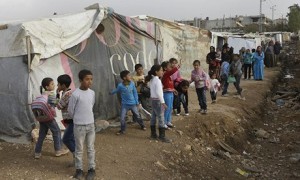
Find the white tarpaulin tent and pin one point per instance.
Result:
(183, 42)
(238, 42)
(97, 39)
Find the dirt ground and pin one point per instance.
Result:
(195, 151)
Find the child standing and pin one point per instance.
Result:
(176, 78)
(81, 111)
(247, 59)
(214, 87)
(200, 78)
(48, 86)
(168, 88)
(182, 97)
(130, 100)
(63, 84)
(158, 103)
(141, 86)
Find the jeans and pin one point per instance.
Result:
(237, 84)
(84, 135)
(68, 137)
(44, 127)
(247, 70)
(157, 112)
(136, 115)
(169, 98)
(225, 84)
(202, 97)
(213, 95)
(181, 98)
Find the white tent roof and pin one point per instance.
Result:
(50, 36)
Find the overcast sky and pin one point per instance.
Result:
(166, 9)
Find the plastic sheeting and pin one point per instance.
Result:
(50, 36)
(183, 42)
(238, 43)
(15, 120)
(125, 42)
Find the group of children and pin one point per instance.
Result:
(161, 91)
(167, 91)
(78, 117)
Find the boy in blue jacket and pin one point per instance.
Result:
(130, 100)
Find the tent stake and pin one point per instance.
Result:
(28, 53)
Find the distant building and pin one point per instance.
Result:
(282, 21)
(232, 24)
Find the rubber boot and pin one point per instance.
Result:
(162, 136)
(153, 132)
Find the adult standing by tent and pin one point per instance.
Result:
(225, 56)
(258, 57)
(269, 61)
(277, 48)
(210, 57)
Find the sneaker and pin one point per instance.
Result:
(177, 114)
(143, 128)
(204, 111)
(166, 127)
(240, 91)
(214, 101)
(91, 174)
(120, 133)
(225, 95)
(61, 152)
(170, 125)
(186, 114)
(37, 155)
(78, 174)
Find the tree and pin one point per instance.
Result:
(294, 18)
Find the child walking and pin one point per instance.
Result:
(63, 84)
(214, 87)
(80, 110)
(182, 97)
(158, 103)
(200, 78)
(168, 88)
(130, 100)
(48, 86)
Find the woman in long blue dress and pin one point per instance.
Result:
(259, 64)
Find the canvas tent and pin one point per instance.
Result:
(183, 42)
(97, 39)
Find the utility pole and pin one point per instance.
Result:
(260, 14)
(273, 9)
(282, 22)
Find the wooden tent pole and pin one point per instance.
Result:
(28, 53)
(156, 43)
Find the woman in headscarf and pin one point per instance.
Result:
(258, 57)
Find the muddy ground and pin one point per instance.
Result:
(255, 135)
